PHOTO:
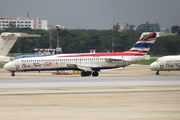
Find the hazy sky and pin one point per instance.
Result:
(95, 14)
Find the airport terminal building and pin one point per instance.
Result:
(148, 27)
(22, 22)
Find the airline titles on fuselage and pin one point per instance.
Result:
(172, 64)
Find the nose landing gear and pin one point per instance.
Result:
(157, 73)
(12, 73)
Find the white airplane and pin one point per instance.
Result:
(166, 63)
(88, 63)
(7, 40)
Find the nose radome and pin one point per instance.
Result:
(155, 66)
(152, 66)
(10, 66)
(6, 66)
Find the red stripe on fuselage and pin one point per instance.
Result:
(104, 54)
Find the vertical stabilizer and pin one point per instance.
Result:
(144, 43)
(8, 39)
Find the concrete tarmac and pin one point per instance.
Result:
(135, 102)
(132, 70)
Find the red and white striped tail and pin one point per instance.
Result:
(144, 43)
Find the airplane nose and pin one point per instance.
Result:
(6, 66)
(152, 67)
(9, 66)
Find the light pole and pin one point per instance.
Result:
(58, 48)
(112, 44)
(58, 29)
(50, 38)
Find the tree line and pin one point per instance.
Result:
(81, 40)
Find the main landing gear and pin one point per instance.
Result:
(12, 73)
(87, 73)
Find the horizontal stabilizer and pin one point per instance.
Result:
(16, 35)
(29, 35)
(164, 34)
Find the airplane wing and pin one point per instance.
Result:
(117, 60)
(81, 67)
(85, 68)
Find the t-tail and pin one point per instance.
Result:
(144, 43)
(7, 40)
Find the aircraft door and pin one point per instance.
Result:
(18, 64)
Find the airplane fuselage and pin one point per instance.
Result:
(71, 63)
(166, 63)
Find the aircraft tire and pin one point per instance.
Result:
(12, 73)
(83, 74)
(88, 73)
(157, 73)
(95, 74)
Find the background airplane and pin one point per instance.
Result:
(7, 40)
(88, 63)
(166, 63)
